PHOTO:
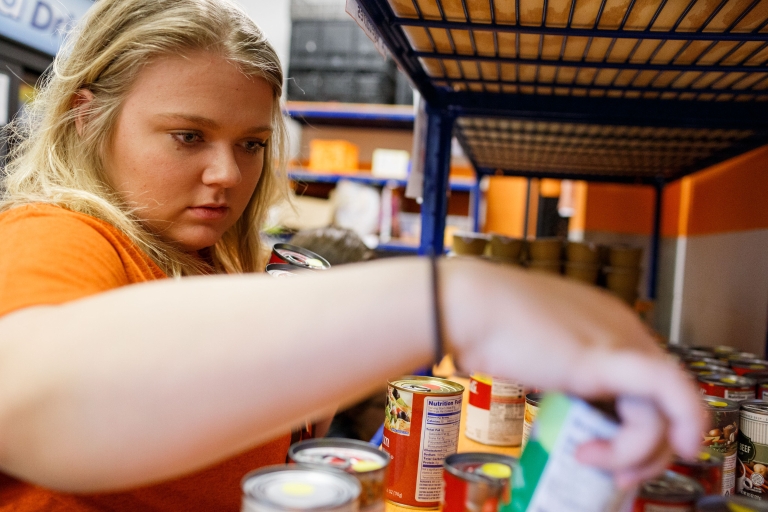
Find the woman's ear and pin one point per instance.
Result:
(80, 106)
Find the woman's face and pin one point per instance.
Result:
(188, 147)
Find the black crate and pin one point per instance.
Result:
(327, 45)
(344, 86)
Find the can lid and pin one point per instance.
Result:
(671, 486)
(534, 398)
(432, 385)
(348, 454)
(727, 380)
(299, 488)
(298, 256)
(716, 403)
(730, 504)
(704, 459)
(758, 406)
(490, 468)
(749, 363)
(282, 270)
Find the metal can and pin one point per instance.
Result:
(733, 387)
(708, 369)
(707, 469)
(476, 481)
(702, 361)
(531, 410)
(730, 504)
(723, 350)
(421, 428)
(723, 438)
(746, 366)
(287, 254)
(291, 487)
(668, 492)
(752, 470)
(495, 411)
(549, 478)
(741, 355)
(280, 270)
(359, 459)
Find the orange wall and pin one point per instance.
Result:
(730, 196)
(619, 208)
(505, 206)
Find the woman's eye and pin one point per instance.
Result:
(254, 146)
(187, 137)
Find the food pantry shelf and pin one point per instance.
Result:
(581, 89)
(351, 114)
(368, 179)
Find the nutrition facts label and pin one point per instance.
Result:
(439, 439)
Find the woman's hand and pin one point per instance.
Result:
(554, 334)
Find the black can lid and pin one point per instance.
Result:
(672, 487)
(716, 403)
(534, 398)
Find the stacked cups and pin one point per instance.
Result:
(622, 277)
(582, 262)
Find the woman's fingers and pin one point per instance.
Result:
(660, 381)
(639, 450)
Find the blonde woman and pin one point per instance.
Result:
(153, 151)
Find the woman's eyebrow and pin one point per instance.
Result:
(209, 123)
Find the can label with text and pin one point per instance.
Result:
(752, 470)
(421, 428)
(495, 411)
(549, 477)
(732, 387)
(722, 438)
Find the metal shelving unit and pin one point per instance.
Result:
(617, 91)
(368, 179)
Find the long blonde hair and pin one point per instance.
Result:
(51, 163)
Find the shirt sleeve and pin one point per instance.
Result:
(52, 258)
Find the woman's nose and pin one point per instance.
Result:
(222, 168)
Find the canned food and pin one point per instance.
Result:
(705, 361)
(668, 492)
(531, 410)
(702, 348)
(723, 437)
(708, 369)
(730, 504)
(549, 477)
(707, 469)
(421, 428)
(761, 388)
(723, 350)
(495, 411)
(752, 470)
(357, 458)
(741, 355)
(279, 270)
(734, 387)
(745, 366)
(287, 254)
(476, 481)
(293, 487)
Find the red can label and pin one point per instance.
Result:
(737, 393)
(642, 505)
(421, 428)
(458, 494)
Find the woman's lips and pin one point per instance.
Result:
(209, 212)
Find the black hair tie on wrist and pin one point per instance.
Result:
(437, 311)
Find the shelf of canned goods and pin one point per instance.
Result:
(595, 90)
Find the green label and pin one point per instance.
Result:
(747, 449)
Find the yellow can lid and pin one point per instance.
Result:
(496, 470)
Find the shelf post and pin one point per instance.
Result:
(437, 162)
(653, 270)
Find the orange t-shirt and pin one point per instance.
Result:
(50, 255)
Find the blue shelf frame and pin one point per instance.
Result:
(449, 97)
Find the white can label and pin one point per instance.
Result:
(729, 474)
(439, 439)
(740, 395)
(495, 411)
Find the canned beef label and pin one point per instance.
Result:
(753, 450)
(551, 479)
(421, 429)
(722, 437)
(495, 411)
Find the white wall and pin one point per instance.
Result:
(724, 296)
(274, 18)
